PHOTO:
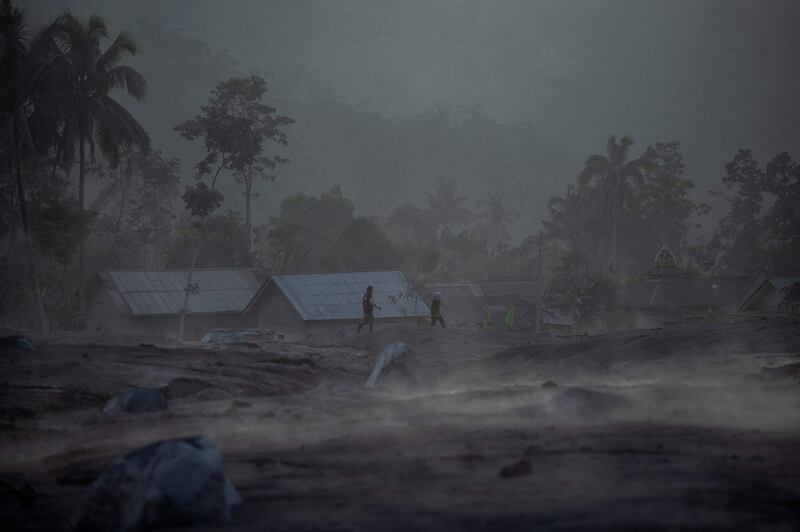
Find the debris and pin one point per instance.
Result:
(168, 483)
(137, 400)
(549, 384)
(517, 469)
(18, 341)
(387, 357)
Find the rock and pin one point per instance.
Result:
(517, 469)
(137, 400)
(17, 341)
(549, 384)
(169, 483)
(386, 358)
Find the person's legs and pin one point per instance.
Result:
(371, 320)
(363, 322)
(441, 320)
(433, 321)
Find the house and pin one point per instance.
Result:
(766, 291)
(324, 303)
(486, 302)
(150, 301)
(461, 303)
(667, 293)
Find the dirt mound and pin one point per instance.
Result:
(583, 402)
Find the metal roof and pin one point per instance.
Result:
(337, 296)
(161, 292)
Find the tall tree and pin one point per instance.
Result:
(665, 202)
(234, 126)
(201, 202)
(782, 181)
(494, 220)
(446, 207)
(738, 241)
(86, 76)
(18, 71)
(614, 172)
(573, 222)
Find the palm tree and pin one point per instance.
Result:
(90, 116)
(447, 208)
(572, 219)
(613, 172)
(495, 219)
(19, 74)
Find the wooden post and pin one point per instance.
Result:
(539, 288)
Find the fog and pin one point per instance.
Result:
(381, 265)
(714, 75)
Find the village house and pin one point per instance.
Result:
(150, 302)
(668, 294)
(767, 290)
(330, 303)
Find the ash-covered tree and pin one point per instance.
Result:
(616, 177)
(151, 215)
(574, 224)
(59, 228)
(665, 202)
(494, 221)
(305, 229)
(362, 246)
(82, 79)
(738, 242)
(448, 209)
(414, 234)
(21, 83)
(782, 221)
(576, 291)
(235, 126)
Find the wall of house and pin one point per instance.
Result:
(102, 314)
(766, 300)
(275, 312)
(195, 327)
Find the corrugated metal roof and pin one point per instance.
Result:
(337, 296)
(159, 292)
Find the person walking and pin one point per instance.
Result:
(436, 310)
(368, 306)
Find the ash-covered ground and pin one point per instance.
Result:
(691, 429)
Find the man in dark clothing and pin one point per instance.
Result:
(436, 310)
(367, 306)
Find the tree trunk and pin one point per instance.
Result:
(614, 242)
(81, 250)
(187, 291)
(247, 206)
(26, 228)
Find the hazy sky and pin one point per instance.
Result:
(715, 75)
